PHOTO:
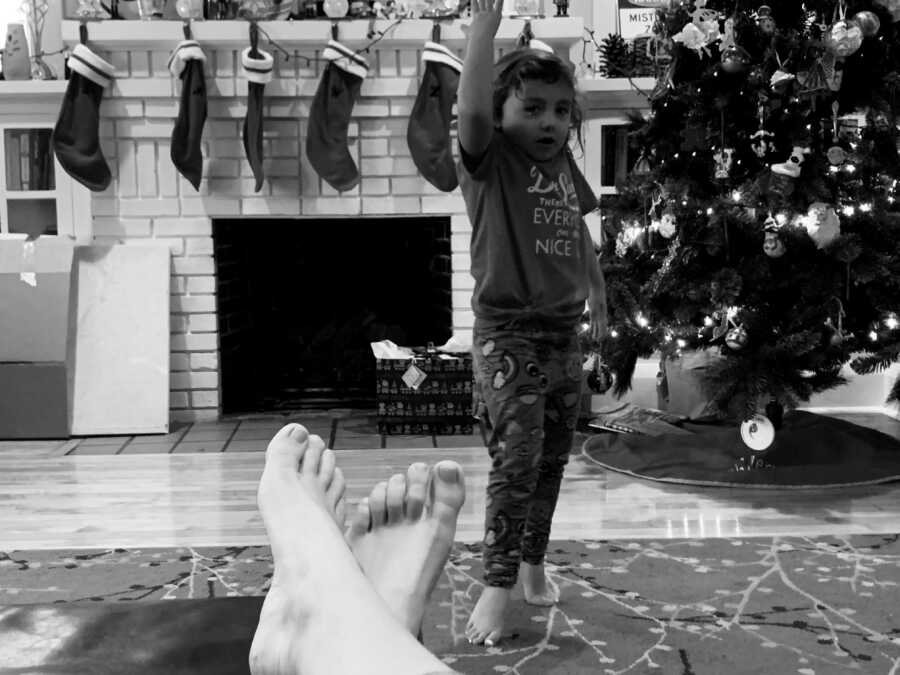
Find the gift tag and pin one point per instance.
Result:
(758, 433)
(414, 376)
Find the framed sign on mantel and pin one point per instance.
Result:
(635, 17)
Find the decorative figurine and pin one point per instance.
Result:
(562, 7)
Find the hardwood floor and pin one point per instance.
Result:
(49, 499)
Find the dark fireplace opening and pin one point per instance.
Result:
(300, 301)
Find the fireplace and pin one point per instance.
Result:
(299, 301)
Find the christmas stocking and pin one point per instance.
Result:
(258, 71)
(329, 117)
(76, 137)
(428, 133)
(187, 62)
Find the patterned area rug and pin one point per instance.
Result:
(811, 606)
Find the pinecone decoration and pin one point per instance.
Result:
(614, 57)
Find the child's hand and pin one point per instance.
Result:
(599, 321)
(486, 16)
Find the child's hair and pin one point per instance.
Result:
(522, 64)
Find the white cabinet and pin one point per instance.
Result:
(37, 197)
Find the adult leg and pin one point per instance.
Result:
(321, 616)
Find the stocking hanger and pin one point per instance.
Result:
(436, 27)
(83, 32)
(254, 40)
(186, 27)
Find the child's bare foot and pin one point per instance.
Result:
(321, 616)
(402, 534)
(539, 589)
(486, 623)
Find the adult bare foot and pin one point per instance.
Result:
(539, 589)
(321, 616)
(485, 626)
(402, 535)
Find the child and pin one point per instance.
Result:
(534, 267)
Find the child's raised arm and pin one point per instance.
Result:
(474, 104)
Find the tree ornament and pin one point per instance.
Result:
(762, 142)
(600, 377)
(707, 20)
(836, 155)
(822, 224)
(784, 173)
(891, 6)
(764, 20)
(843, 37)
(833, 67)
(668, 224)
(868, 22)
(758, 433)
(837, 336)
(631, 234)
(850, 125)
(641, 166)
(773, 245)
(737, 338)
(816, 79)
(781, 77)
(735, 59)
(724, 157)
(692, 38)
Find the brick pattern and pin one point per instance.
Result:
(149, 199)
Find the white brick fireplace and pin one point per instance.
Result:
(149, 199)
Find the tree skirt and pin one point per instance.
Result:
(782, 605)
(809, 451)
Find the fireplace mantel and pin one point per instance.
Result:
(410, 33)
(24, 99)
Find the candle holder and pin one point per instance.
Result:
(35, 14)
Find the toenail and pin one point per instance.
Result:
(299, 433)
(447, 472)
(488, 643)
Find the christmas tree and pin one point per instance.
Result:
(761, 219)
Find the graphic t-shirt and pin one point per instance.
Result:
(530, 246)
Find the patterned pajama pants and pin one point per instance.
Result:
(530, 383)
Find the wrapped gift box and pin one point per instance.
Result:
(441, 404)
(682, 390)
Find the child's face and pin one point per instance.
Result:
(537, 116)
